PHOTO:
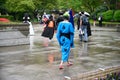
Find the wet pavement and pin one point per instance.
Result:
(36, 62)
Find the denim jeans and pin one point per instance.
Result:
(85, 35)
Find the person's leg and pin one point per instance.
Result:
(69, 63)
(100, 23)
(80, 36)
(81, 32)
(46, 41)
(65, 51)
(94, 23)
(61, 65)
(78, 27)
(85, 34)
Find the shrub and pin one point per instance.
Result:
(108, 15)
(116, 16)
(8, 17)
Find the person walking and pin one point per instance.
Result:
(83, 27)
(100, 19)
(65, 37)
(48, 31)
(94, 20)
(59, 19)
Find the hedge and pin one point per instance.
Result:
(116, 16)
(11, 18)
(108, 15)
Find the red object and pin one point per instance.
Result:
(4, 20)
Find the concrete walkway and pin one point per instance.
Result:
(36, 62)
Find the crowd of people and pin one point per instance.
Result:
(64, 28)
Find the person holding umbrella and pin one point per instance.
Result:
(83, 27)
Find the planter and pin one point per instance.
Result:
(14, 34)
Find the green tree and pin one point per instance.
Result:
(111, 4)
(80, 5)
(90, 5)
(20, 5)
(108, 15)
(45, 4)
(2, 7)
(74, 4)
(117, 15)
(17, 7)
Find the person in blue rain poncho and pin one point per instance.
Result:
(65, 37)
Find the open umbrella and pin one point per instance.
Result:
(86, 13)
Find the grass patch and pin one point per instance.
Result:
(10, 22)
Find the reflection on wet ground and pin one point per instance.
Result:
(36, 62)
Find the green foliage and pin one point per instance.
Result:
(2, 7)
(108, 15)
(90, 5)
(45, 4)
(26, 5)
(67, 4)
(19, 5)
(101, 9)
(8, 17)
(117, 15)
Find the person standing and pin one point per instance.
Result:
(26, 18)
(94, 20)
(100, 19)
(65, 37)
(48, 31)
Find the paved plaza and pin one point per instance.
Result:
(36, 62)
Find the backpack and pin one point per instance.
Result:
(84, 20)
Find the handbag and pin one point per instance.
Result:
(81, 32)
